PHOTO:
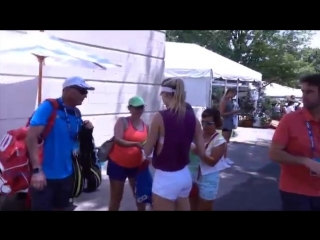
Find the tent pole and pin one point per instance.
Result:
(210, 93)
(238, 81)
(41, 62)
(225, 86)
(237, 99)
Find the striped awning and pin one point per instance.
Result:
(65, 53)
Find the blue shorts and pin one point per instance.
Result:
(119, 173)
(207, 184)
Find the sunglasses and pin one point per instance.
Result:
(207, 123)
(82, 91)
(137, 108)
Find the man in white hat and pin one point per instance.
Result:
(75, 90)
(290, 106)
(52, 181)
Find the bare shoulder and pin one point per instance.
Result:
(223, 100)
(220, 138)
(120, 119)
(157, 117)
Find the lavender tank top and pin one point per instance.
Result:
(179, 133)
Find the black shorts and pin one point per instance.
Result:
(55, 195)
(226, 130)
(297, 202)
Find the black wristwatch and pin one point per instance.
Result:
(35, 170)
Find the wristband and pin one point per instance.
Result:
(36, 170)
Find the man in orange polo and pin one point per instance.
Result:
(296, 146)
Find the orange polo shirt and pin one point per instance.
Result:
(292, 132)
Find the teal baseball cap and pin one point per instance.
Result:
(136, 101)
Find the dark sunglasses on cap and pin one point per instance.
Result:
(207, 123)
(137, 107)
(81, 90)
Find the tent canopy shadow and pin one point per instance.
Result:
(17, 103)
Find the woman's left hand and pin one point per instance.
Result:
(193, 148)
(88, 124)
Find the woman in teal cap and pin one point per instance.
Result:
(126, 156)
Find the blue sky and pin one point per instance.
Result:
(315, 42)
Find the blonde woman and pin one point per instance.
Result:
(171, 133)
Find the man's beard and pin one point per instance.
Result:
(312, 106)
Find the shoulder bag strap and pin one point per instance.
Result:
(211, 139)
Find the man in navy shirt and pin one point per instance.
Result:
(52, 180)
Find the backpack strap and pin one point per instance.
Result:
(52, 117)
(206, 146)
(126, 123)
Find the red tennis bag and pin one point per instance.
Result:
(15, 167)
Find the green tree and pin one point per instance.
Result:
(280, 56)
(311, 60)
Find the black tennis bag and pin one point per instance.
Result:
(78, 177)
(88, 160)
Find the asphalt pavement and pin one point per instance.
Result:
(250, 184)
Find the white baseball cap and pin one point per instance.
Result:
(76, 81)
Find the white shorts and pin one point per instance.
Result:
(172, 185)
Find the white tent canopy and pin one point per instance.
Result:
(193, 61)
(276, 90)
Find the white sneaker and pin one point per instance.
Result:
(229, 161)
